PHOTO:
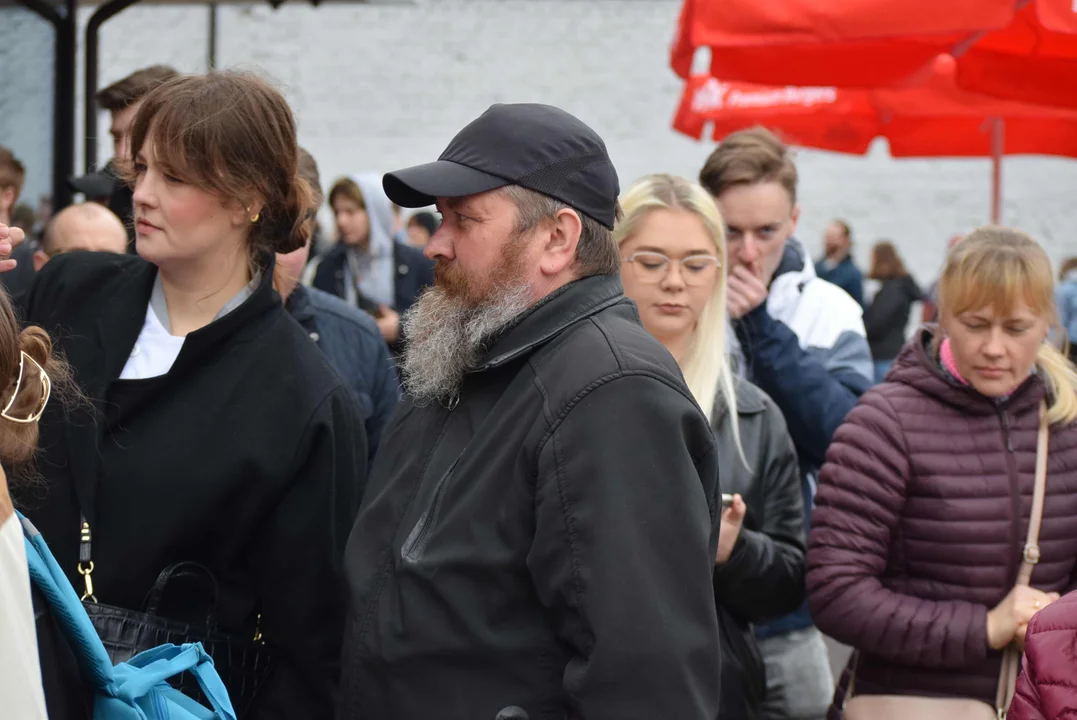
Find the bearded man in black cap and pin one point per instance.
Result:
(538, 535)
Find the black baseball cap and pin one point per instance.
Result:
(94, 184)
(539, 147)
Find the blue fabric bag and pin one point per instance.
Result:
(137, 689)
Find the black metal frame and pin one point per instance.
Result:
(63, 15)
(93, 42)
(64, 18)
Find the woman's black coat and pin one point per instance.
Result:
(764, 576)
(886, 317)
(248, 456)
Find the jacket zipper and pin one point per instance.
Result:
(1015, 493)
(416, 541)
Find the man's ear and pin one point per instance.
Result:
(40, 258)
(795, 215)
(560, 238)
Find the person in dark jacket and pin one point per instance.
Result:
(218, 433)
(542, 517)
(673, 252)
(368, 268)
(1047, 686)
(888, 315)
(923, 504)
(801, 340)
(837, 265)
(348, 337)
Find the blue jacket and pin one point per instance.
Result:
(805, 348)
(354, 347)
(845, 275)
(1066, 298)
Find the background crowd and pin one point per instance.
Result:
(507, 434)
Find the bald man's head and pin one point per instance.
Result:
(87, 226)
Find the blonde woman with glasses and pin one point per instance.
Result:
(673, 253)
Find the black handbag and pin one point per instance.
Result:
(243, 664)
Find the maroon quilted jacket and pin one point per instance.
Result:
(1047, 687)
(920, 519)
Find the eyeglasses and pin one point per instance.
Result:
(46, 391)
(651, 268)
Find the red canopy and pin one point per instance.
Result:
(1010, 48)
(931, 119)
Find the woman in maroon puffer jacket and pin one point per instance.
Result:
(923, 505)
(1047, 687)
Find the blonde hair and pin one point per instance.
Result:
(706, 366)
(1001, 267)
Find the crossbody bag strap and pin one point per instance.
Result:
(1011, 659)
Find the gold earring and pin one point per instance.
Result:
(255, 217)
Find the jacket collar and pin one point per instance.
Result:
(749, 400)
(122, 319)
(552, 315)
(299, 304)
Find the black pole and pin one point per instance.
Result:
(211, 54)
(93, 42)
(63, 127)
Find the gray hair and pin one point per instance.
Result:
(597, 252)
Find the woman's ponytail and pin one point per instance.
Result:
(1060, 376)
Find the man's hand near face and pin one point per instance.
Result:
(745, 289)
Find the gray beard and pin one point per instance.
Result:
(446, 337)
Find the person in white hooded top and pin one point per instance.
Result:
(368, 268)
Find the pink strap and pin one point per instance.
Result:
(946, 356)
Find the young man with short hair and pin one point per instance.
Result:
(122, 100)
(801, 340)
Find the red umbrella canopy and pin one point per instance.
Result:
(929, 118)
(1021, 49)
(1034, 59)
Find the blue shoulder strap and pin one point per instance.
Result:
(67, 608)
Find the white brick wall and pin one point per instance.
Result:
(377, 87)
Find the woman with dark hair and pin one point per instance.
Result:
(888, 315)
(218, 434)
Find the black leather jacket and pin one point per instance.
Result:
(764, 576)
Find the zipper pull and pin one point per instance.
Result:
(1006, 430)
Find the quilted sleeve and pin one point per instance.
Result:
(860, 499)
(1046, 687)
(1026, 701)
